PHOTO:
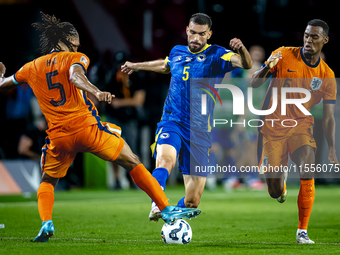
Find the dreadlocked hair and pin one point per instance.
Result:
(53, 32)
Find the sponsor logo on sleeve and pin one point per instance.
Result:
(83, 60)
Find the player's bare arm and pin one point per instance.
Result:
(6, 83)
(137, 100)
(328, 125)
(79, 79)
(243, 60)
(260, 76)
(158, 66)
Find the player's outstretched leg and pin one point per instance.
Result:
(149, 185)
(165, 162)
(161, 174)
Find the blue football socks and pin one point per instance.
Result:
(161, 175)
(181, 203)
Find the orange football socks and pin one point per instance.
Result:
(45, 200)
(305, 202)
(144, 180)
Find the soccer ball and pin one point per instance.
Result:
(180, 232)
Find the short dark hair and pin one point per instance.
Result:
(201, 19)
(320, 23)
(53, 32)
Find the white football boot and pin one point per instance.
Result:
(155, 213)
(302, 237)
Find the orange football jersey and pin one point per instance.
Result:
(65, 107)
(294, 71)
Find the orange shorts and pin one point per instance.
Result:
(273, 150)
(103, 141)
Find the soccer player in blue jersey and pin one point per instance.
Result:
(183, 131)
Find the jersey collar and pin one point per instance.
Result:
(306, 62)
(54, 51)
(205, 47)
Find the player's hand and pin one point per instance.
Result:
(236, 44)
(128, 68)
(104, 96)
(2, 69)
(274, 59)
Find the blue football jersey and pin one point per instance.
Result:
(194, 74)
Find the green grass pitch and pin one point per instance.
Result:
(116, 222)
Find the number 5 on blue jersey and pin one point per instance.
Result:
(186, 73)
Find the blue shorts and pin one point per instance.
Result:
(193, 157)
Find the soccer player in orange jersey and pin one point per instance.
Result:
(299, 67)
(58, 79)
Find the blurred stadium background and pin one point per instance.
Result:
(112, 32)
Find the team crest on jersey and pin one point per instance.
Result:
(164, 135)
(83, 60)
(316, 83)
(178, 58)
(201, 57)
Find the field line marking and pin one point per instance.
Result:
(141, 240)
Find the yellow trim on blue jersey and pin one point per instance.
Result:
(209, 128)
(166, 61)
(228, 55)
(205, 47)
(153, 146)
